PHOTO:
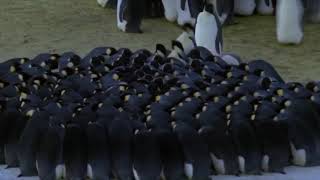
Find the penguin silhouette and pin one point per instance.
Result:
(129, 15)
(75, 152)
(99, 160)
(121, 138)
(146, 156)
(49, 152)
(195, 150)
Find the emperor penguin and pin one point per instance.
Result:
(129, 15)
(188, 11)
(289, 21)
(224, 9)
(244, 7)
(208, 30)
(170, 10)
(265, 7)
(186, 38)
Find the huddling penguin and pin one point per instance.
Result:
(189, 111)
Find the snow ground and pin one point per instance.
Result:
(293, 173)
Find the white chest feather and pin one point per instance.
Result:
(242, 164)
(206, 32)
(170, 10)
(60, 171)
(224, 14)
(265, 163)
(264, 9)
(218, 164)
(89, 171)
(184, 16)
(188, 170)
(289, 21)
(186, 42)
(244, 7)
(299, 156)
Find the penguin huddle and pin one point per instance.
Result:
(290, 15)
(169, 114)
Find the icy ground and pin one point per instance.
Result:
(293, 173)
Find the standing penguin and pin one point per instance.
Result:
(289, 21)
(129, 15)
(99, 162)
(244, 7)
(188, 11)
(146, 156)
(208, 31)
(265, 7)
(170, 10)
(224, 10)
(75, 152)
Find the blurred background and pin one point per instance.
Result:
(30, 27)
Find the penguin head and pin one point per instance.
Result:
(208, 7)
(161, 50)
(188, 28)
(176, 45)
(313, 86)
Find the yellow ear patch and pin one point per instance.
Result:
(280, 92)
(158, 98)
(12, 69)
(288, 103)
(184, 86)
(127, 98)
(23, 96)
(197, 94)
(115, 77)
(30, 113)
(253, 117)
(228, 108)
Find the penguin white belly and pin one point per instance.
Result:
(224, 14)
(60, 171)
(242, 164)
(135, 174)
(264, 9)
(244, 7)
(265, 163)
(206, 36)
(289, 21)
(188, 170)
(218, 164)
(102, 3)
(170, 10)
(299, 156)
(89, 171)
(121, 23)
(184, 16)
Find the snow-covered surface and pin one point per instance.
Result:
(293, 173)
